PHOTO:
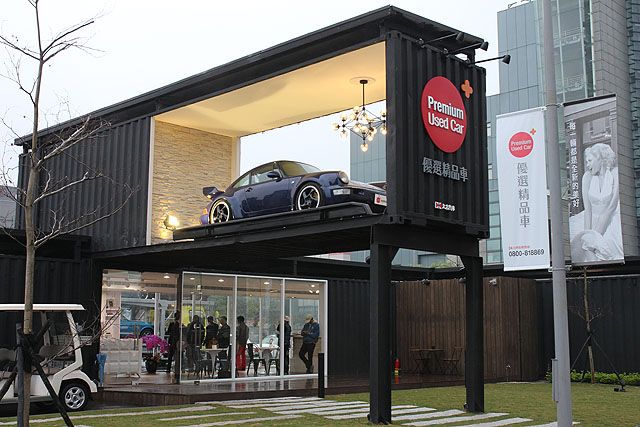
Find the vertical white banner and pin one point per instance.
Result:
(522, 187)
(595, 226)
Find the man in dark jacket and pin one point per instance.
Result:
(224, 333)
(310, 334)
(242, 336)
(195, 338)
(211, 332)
(224, 339)
(285, 342)
(174, 336)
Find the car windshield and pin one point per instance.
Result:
(296, 168)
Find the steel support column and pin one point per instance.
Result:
(474, 346)
(380, 333)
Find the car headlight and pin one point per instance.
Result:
(343, 177)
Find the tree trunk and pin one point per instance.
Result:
(32, 186)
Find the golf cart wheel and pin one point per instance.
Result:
(220, 212)
(74, 396)
(308, 197)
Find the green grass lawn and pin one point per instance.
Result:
(593, 405)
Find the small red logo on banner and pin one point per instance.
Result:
(521, 144)
(443, 114)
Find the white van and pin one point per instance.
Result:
(61, 350)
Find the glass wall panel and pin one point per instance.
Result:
(304, 299)
(251, 309)
(259, 307)
(138, 304)
(207, 332)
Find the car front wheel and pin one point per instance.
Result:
(74, 396)
(220, 212)
(308, 197)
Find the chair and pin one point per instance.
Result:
(450, 365)
(223, 363)
(199, 364)
(254, 360)
(418, 366)
(274, 358)
(207, 363)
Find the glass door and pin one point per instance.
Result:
(207, 332)
(259, 313)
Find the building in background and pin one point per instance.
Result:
(7, 207)
(592, 52)
(597, 52)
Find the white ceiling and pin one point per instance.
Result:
(306, 93)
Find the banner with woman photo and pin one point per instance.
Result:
(592, 161)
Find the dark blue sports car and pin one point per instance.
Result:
(283, 186)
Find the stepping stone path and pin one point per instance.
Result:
(410, 415)
(330, 412)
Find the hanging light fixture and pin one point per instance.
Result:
(362, 122)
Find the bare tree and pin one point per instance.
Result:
(42, 149)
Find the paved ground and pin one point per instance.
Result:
(275, 410)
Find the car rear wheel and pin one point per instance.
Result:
(220, 212)
(74, 396)
(145, 332)
(308, 197)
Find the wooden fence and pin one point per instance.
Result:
(432, 316)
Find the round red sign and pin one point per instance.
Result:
(521, 144)
(443, 114)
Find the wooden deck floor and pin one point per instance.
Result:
(155, 390)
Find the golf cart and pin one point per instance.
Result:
(60, 349)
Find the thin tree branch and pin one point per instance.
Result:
(58, 40)
(22, 50)
(45, 193)
(82, 133)
(75, 225)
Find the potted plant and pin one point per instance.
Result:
(157, 346)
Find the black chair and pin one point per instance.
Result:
(199, 364)
(254, 360)
(274, 359)
(450, 365)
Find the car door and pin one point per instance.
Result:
(266, 194)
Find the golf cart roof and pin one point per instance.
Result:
(43, 307)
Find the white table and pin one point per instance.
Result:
(213, 353)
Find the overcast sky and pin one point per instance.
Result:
(142, 45)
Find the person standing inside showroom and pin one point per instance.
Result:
(285, 342)
(310, 334)
(174, 336)
(242, 336)
(211, 332)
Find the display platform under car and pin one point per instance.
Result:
(284, 185)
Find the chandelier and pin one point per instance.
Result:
(361, 122)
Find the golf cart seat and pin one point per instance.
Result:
(7, 362)
(56, 355)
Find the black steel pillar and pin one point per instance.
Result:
(178, 354)
(474, 347)
(380, 333)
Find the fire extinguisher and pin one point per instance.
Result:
(396, 367)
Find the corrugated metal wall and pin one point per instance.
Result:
(616, 329)
(412, 192)
(57, 281)
(348, 328)
(121, 154)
